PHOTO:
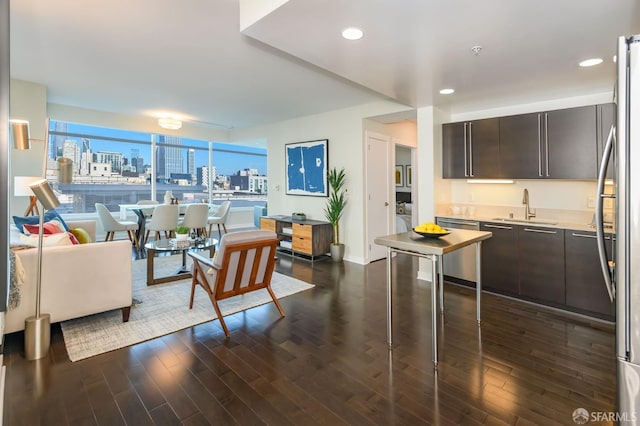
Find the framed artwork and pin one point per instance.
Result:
(399, 175)
(407, 175)
(306, 168)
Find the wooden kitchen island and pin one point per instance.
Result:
(432, 249)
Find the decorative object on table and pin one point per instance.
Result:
(430, 230)
(298, 216)
(306, 168)
(334, 210)
(399, 175)
(168, 197)
(182, 232)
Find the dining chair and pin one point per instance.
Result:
(196, 217)
(244, 263)
(164, 219)
(220, 218)
(111, 225)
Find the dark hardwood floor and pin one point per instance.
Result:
(327, 362)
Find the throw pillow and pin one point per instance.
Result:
(61, 239)
(20, 221)
(52, 227)
(81, 235)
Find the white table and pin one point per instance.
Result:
(432, 249)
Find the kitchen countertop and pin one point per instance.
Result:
(537, 222)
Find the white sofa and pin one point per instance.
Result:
(77, 280)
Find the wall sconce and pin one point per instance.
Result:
(169, 123)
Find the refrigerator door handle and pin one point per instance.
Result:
(600, 237)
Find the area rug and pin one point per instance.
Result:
(164, 308)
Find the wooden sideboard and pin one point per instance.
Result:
(310, 238)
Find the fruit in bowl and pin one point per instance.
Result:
(430, 229)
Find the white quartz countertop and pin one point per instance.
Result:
(411, 241)
(537, 222)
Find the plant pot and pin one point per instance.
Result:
(180, 237)
(337, 252)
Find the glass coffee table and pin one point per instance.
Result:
(171, 245)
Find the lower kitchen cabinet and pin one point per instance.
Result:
(585, 287)
(541, 261)
(500, 259)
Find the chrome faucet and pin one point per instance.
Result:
(528, 213)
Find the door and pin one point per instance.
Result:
(500, 270)
(379, 179)
(520, 146)
(454, 150)
(484, 148)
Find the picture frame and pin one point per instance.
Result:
(307, 168)
(407, 175)
(399, 175)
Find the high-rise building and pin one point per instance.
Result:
(191, 163)
(168, 156)
(71, 150)
(55, 145)
(113, 158)
(203, 175)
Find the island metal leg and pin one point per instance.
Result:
(441, 284)
(434, 310)
(478, 278)
(389, 319)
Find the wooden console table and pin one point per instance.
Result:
(310, 238)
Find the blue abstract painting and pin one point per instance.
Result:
(307, 168)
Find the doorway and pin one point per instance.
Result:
(378, 195)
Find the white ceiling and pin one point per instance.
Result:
(145, 57)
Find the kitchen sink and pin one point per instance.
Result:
(526, 222)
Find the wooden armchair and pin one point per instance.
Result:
(244, 262)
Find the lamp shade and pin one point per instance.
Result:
(20, 134)
(65, 170)
(21, 185)
(44, 194)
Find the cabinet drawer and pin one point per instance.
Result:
(302, 231)
(302, 245)
(267, 224)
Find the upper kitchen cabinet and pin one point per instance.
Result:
(606, 117)
(570, 143)
(521, 146)
(471, 149)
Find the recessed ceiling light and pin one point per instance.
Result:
(446, 91)
(590, 62)
(352, 33)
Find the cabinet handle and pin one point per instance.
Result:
(546, 141)
(539, 148)
(466, 173)
(470, 150)
(498, 226)
(587, 236)
(539, 231)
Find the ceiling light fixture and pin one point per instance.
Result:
(169, 123)
(446, 91)
(590, 62)
(352, 33)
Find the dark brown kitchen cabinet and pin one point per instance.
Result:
(541, 261)
(520, 146)
(606, 116)
(570, 143)
(471, 149)
(585, 287)
(500, 259)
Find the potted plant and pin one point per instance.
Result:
(334, 209)
(182, 232)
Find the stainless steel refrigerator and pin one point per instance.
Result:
(620, 264)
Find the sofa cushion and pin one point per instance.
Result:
(52, 227)
(61, 239)
(81, 235)
(20, 221)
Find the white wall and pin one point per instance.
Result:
(345, 131)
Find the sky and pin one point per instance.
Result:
(226, 163)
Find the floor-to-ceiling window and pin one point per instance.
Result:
(113, 167)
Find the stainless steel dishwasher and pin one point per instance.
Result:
(461, 263)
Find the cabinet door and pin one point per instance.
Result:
(571, 143)
(500, 259)
(520, 146)
(586, 290)
(268, 224)
(484, 148)
(542, 264)
(454, 151)
(606, 118)
(302, 238)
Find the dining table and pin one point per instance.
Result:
(433, 249)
